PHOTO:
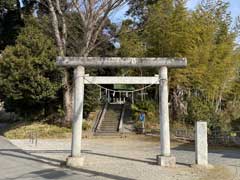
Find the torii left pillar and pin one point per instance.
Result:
(76, 159)
(164, 159)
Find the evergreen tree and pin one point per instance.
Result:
(29, 78)
(10, 22)
(139, 10)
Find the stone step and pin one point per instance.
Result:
(112, 115)
(108, 130)
(116, 118)
(112, 119)
(116, 124)
(109, 125)
(109, 121)
(109, 134)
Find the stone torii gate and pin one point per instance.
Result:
(80, 63)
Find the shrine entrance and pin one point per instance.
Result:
(80, 63)
(119, 94)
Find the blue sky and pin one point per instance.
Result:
(191, 4)
(234, 6)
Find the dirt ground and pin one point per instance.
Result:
(134, 157)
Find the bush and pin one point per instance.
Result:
(151, 113)
(91, 99)
(199, 110)
(149, 107)
(86, 126)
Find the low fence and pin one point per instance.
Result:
(224, 138)
(230, 138)
(184, 134)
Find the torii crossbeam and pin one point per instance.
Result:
(115, 62)
(79, 64)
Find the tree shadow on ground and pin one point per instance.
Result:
(148, 161)
(178, 163)
(53, 173)
(60, 174)
(45, 174)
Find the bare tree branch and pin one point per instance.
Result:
(94, 15)
(64, 26)
(61, 36)
(55, 25)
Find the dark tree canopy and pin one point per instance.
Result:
(10, 22)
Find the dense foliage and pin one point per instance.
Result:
(10, 22)
(208, 87)
(29, 78)
(37, 89)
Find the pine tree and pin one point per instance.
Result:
(29, 78)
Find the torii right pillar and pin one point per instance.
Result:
(164, 159)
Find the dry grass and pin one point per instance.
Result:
(43, 130)
(218, 173)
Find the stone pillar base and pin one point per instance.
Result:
(75, 162)
(166, 161)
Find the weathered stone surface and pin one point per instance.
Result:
(164, 112)
(201, 143)
(121, 62)
(166, 161)
(75, 162)
(77, 111)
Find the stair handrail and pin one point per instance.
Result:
(120, 127)
(100, 118)
(97, 119)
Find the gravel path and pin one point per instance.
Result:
(134, 158)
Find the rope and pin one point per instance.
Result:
(112, 90)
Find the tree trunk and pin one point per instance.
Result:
(61, 36)
(67, 99)
(93, 15)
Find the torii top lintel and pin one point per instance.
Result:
(121, 62)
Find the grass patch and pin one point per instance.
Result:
(43, 130)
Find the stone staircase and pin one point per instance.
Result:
(110, 121)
